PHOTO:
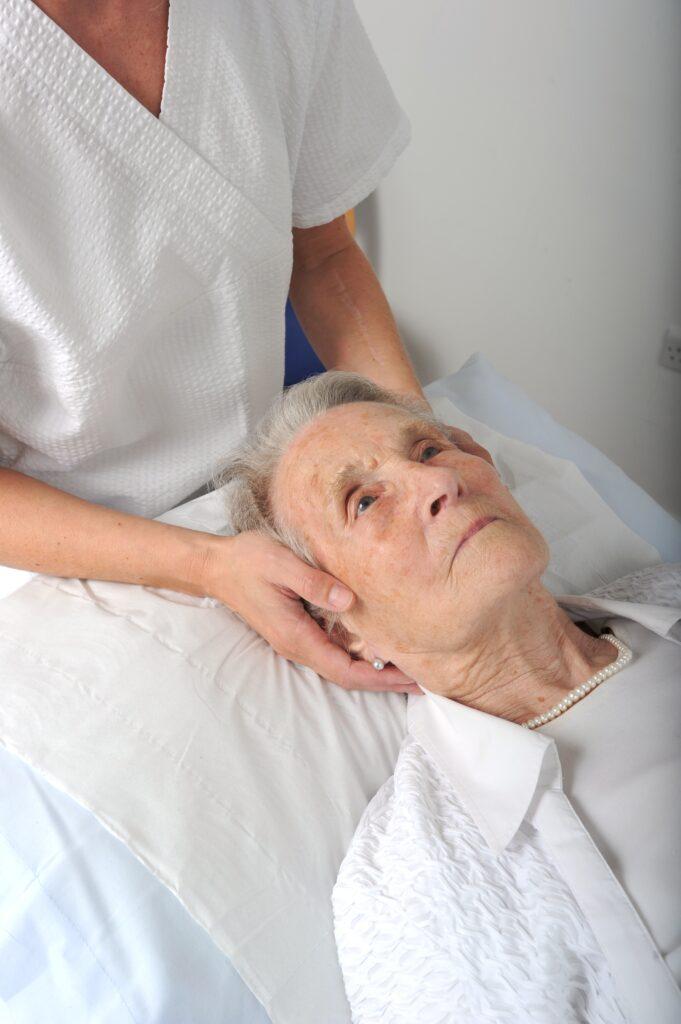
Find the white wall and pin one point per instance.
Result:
(536, 214)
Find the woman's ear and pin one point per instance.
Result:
(339, 633)
(349, 641)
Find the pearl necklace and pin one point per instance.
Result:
(573, 696)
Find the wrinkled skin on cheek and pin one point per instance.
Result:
(412, 598)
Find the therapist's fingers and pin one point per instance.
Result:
(315, 585)
(263, 581)
(466, 443)
(320, 652)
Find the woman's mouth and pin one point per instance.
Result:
(478, 525)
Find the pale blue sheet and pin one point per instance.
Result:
(87, 934)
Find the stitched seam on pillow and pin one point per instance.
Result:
(141, 730)
(210, 677)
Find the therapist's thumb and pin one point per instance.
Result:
(327, 592)
(340, 598)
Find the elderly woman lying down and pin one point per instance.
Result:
(523, 862)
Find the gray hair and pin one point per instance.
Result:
(251, 465)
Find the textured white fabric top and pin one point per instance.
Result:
(472, 891)
(144, 262)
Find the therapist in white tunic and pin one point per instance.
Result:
(522, 864)
(169, 175)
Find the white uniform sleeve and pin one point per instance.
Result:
(354, 128)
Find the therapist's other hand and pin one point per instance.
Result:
(263, 582)
(461, 438)
(466, 443)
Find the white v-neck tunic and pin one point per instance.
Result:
(145, 262)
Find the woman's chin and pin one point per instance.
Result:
(425, 616)
(501, 557)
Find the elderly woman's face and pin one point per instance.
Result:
(426, 535)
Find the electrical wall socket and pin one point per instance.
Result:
(670, 356)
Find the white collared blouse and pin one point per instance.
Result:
(507, 875)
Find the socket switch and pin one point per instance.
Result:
(670, 356)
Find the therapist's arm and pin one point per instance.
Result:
(343, 310)
(46, 530)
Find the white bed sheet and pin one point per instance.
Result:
(85, 925)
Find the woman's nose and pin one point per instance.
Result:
(439, 488)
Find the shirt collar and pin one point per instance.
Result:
(660, 619)
(494, 765)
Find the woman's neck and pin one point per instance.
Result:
(520, 665)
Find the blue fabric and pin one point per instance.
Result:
(300, 358)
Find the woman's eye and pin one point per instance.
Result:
(428, 452)
(365, 497)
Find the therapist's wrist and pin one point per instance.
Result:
(199, 555)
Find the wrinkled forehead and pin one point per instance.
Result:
(351, 434)
(331, 449)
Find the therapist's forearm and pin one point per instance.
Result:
(347, 320)
(46, 530)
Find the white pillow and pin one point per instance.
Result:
(235, 776)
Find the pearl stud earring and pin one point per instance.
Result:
(378, 664)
